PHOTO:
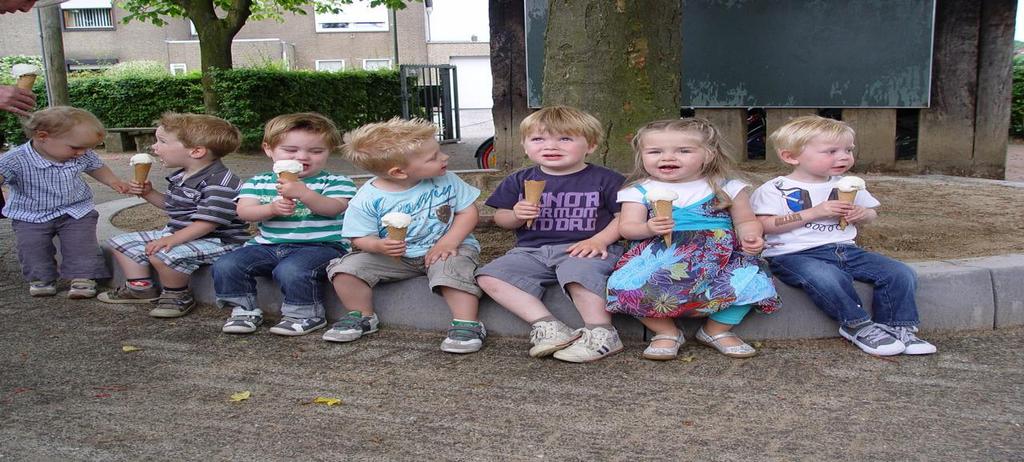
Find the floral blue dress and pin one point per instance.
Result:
(703, 271)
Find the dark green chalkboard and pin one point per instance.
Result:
(789, 53)
(807, 53)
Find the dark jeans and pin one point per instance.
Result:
(298, 268)
(827, 273)
(80, 254)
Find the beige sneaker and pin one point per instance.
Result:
(42, 289)
(82, 288)
(548, 337)
(125, 294)
(593, 345)
(173, 304)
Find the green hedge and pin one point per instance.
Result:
(249, 97)
(1017, 105)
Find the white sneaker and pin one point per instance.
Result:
(548, 337)
(873, 339)
(594, 344)
(915, 346)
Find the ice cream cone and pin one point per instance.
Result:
(845, 196)
(664, 209)
(26, 81)
(533, 191)
(142, 172)
(288, 176)
(397, 234)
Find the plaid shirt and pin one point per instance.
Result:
(41, 190)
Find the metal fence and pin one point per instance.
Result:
(431, 92)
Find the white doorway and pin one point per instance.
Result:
(474, 81)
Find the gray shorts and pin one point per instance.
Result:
(530, 268)
(455, 272)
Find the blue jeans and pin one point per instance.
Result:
(827, 273)
(298, 268)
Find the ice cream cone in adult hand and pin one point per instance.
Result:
(847, 188)
(397, 224)
(662, 199)
(26, 75)
(533, 190)
(288, 170)
(141, 163)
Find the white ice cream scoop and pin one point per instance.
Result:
(291, 166)
(141, 158)
(850, 183)
(396, 219)
(19, 70)
(661, 195)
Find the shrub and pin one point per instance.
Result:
(136, 69)
(1017, 104)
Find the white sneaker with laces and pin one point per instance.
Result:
(915, 345)
(548, 337)
(592, 345)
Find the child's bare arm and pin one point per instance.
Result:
(634, 224)
(249, 209)
(747, 226)
(465, 220)
(107, 176)
(517, 216)
(317, 203)
(196, 230)
(778, 224)
(597, 245)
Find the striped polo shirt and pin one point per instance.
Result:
(42, 190)
(207, 195)
(303, 225)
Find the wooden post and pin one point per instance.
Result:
(876, 135)
(946, 132)
(508, 68)
(995, 77)
(732, 124)
(50, 26)
(775, 118)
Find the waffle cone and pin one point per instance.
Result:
(848, 197)
(533, 191)
(396, 233)
(664, 209)
(26, 81)
(142, 172)
(288, 176)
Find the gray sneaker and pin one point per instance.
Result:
(464, 337)
(173, 304)
(873, 339)
(42, 288)
(594, 344)
(82, 288)
(548, 337)
(125, 294)
(915, 345)
(294, 326)
(351, 327)
(243, 323)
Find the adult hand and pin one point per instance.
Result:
(16, 100)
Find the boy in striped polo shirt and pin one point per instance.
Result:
(299, 218)
(202, 223)
(49, 198)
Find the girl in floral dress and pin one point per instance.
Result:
(709, 266)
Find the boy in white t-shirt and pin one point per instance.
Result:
(808, 248)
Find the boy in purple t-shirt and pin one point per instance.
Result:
(572, 239)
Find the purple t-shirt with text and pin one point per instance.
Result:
(573, 208)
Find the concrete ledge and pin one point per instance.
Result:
(980, 293)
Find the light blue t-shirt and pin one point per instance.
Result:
(432, 203)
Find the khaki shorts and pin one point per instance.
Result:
(455, 272)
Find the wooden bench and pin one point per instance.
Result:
(130, 139)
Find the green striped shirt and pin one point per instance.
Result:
(303, 225)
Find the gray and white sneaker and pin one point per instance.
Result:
(915, 345)
(243, 322)
(873, 339)
(548, 337)
(351, 327)
(173, 304)
(42, 288)
(294, 326)
(464, 337)
(592, 345)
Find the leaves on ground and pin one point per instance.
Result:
(240, 396)
(326, 401)
(688, 359)
(130, 348)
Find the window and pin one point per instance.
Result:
(178, 68)
(87, 14)
(374, 64)
(355, 17)
(330, 65)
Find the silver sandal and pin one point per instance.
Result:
(735, 351)
(664, 354)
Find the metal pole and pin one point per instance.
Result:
(394, 35)
(56, 71)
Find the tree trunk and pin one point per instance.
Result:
(619, 60)
(508, 70)
(215, 53)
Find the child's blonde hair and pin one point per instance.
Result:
(377, 147)
(717, 168)
(58, 120)
(217, 135)
(312, 122)
(796, 133)
(563, 120)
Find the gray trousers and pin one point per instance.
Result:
(80, 254)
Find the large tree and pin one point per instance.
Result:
(218, 21)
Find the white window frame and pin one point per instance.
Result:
(178, 68)
(90, 13)
(367, 61)
(318, 62)
(357, 16)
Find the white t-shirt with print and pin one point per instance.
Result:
(689, 192)
(783, 196)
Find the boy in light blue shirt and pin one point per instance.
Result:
(411, 181)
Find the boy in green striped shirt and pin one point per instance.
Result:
(299, 208)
